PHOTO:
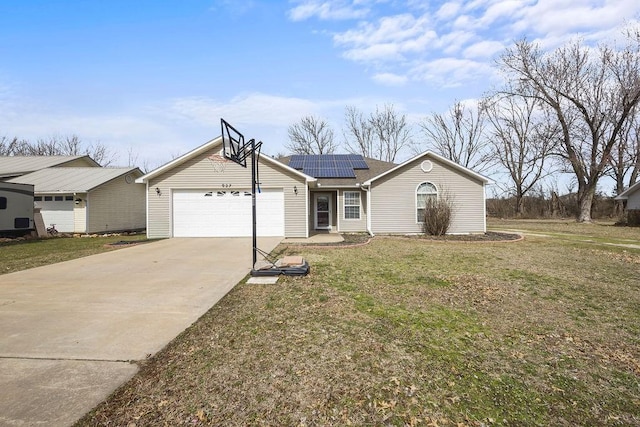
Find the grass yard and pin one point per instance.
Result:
(20, 255)
(403, 332)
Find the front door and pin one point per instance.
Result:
(322, 202)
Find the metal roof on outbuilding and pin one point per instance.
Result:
(73, 180)
(11, 166)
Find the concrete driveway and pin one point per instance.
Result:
(70, 333)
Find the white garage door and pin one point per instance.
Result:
(57, 210)
(226, 213)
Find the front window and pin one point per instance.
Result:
(351, 205)
(425, 191)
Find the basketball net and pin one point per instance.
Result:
(218, 162)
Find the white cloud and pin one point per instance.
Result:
(563, 19)
(390, 79)
(448, 10)
(378, 52)
(388, 29)
(389, 39)
(256, 108)
(501, 10)
(483, 50)
(328, 10)
(452, 72)
(159, 131)
(453, 42)
(458, 31)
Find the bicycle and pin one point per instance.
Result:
(52, 230)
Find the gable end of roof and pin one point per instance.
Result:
(439, 158)
(203, 148)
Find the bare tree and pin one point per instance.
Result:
(311, 135)
(624, 162)
(11, 146)
(392, 131)
(458, 135)
(592, 94)
(57, 146)
(359, 133)
(522, 137)
(382, 135)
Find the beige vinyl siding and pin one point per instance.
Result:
(393, 199)
(352, 225)
(199, 173)
(80, 213)
(116, 206)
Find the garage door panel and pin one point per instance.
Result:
(59, 213)
(222, 213)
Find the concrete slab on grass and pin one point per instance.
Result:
(263, 280)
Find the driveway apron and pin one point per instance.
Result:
(70, 333)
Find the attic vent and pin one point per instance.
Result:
(426, 166)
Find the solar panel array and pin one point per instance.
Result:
(328, 165)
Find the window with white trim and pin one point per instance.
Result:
(351, 205)
(425, 191)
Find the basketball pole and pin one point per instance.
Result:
(253, 204)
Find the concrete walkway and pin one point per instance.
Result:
(316, 239)
(70, 333)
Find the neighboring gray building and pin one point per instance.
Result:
(88, 199)
(631, 196)
(14, 166)
(200, 194)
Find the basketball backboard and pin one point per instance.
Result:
(233, 144)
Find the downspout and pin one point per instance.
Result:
(146, 208)
(484, 205)
(368, 190)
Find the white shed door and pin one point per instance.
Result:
(58, 212)
(226, 213)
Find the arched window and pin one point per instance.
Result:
(424, 192)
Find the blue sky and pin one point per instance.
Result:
(153, 78)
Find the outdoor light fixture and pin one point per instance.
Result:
(78, 201)
(158, 192)
(295, 189)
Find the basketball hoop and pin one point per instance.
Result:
(218, 162)
(235, 149)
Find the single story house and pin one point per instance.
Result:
(201, 194)
(631, 196)
(88, 199)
